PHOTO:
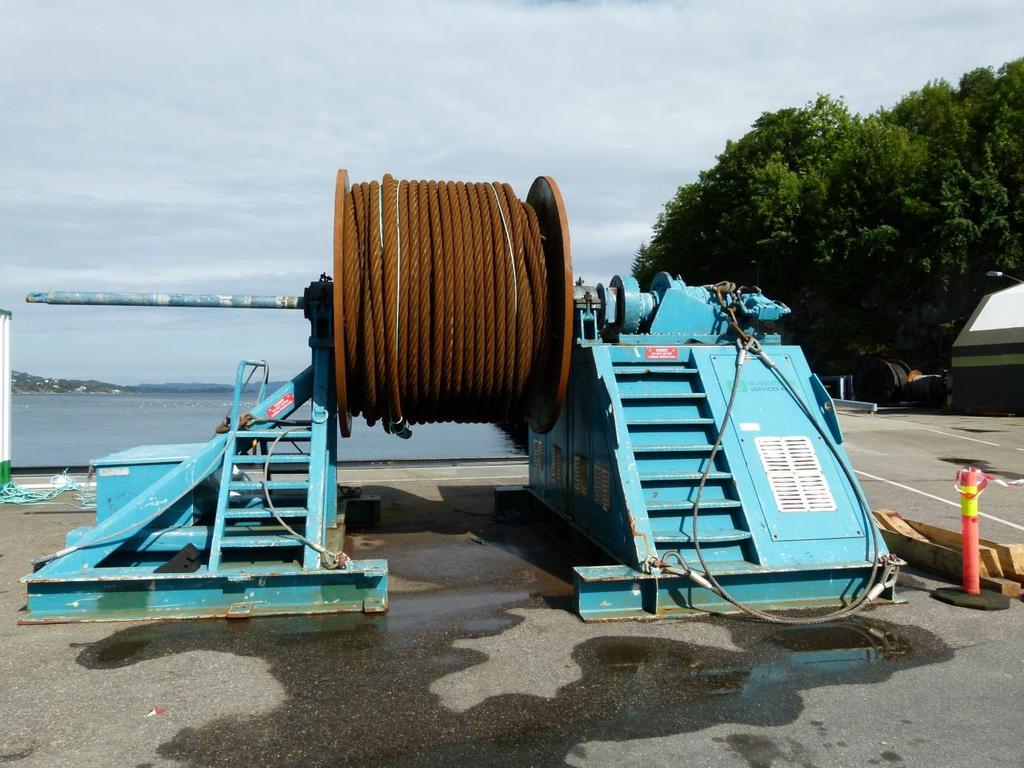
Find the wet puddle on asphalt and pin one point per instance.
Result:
(358, 687)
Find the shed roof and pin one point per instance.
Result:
(998, 320)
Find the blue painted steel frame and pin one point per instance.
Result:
(159, 518)
(606, 593)
(622, 464)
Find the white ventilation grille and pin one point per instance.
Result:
(795, 475)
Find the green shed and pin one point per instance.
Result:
(988, 356)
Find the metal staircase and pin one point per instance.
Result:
(671, 434)
(243, 520)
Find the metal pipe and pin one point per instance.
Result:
(165, 300)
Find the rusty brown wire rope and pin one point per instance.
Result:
(452, 302)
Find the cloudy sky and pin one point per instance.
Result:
(191, 146)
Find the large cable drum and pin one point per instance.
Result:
(452, 302)
(880, 380)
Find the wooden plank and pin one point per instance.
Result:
(893, 521)
(923, 554)
(942, 560)
(1010, 557)
(943, 536)
(882, 518)
(1003, 586)
(1006, 587)
(987, 556)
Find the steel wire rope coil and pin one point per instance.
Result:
(452, 302)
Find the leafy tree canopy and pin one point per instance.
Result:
(876, 230)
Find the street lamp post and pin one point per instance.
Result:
(993, 273)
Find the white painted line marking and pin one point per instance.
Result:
(939, 498)
(961, 437)
(908, 488)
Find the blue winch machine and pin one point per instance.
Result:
(700, 455)
(705, 459)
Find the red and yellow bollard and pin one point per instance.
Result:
(970, 482)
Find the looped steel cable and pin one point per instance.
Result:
(446, 313)
(883, 567)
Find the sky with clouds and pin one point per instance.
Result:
(191, 146)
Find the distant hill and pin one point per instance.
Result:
(26, 384)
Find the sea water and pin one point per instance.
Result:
(69, 430)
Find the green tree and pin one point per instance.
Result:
(877, 230)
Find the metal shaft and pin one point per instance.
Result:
(213, 300)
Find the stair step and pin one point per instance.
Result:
(262, 513)
(710, 536)
(270, 434)
(643, 370)
(257, 540)
(674, 448)
(650, 477)
(683, 506)
(648, 395)
(273, 485)
(277, 458)
(641, 420)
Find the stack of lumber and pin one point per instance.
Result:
(941, 551)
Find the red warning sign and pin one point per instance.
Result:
(662, 353)
(282, 405)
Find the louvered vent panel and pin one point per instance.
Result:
(794, 474)
(581, 474)
(602, 486)
(538, 455)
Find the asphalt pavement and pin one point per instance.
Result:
(481, 661)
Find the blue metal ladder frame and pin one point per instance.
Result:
(242, 527)
(109, 571)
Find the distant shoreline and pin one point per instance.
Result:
(27, 384)
(226, 391)
(49, 394)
